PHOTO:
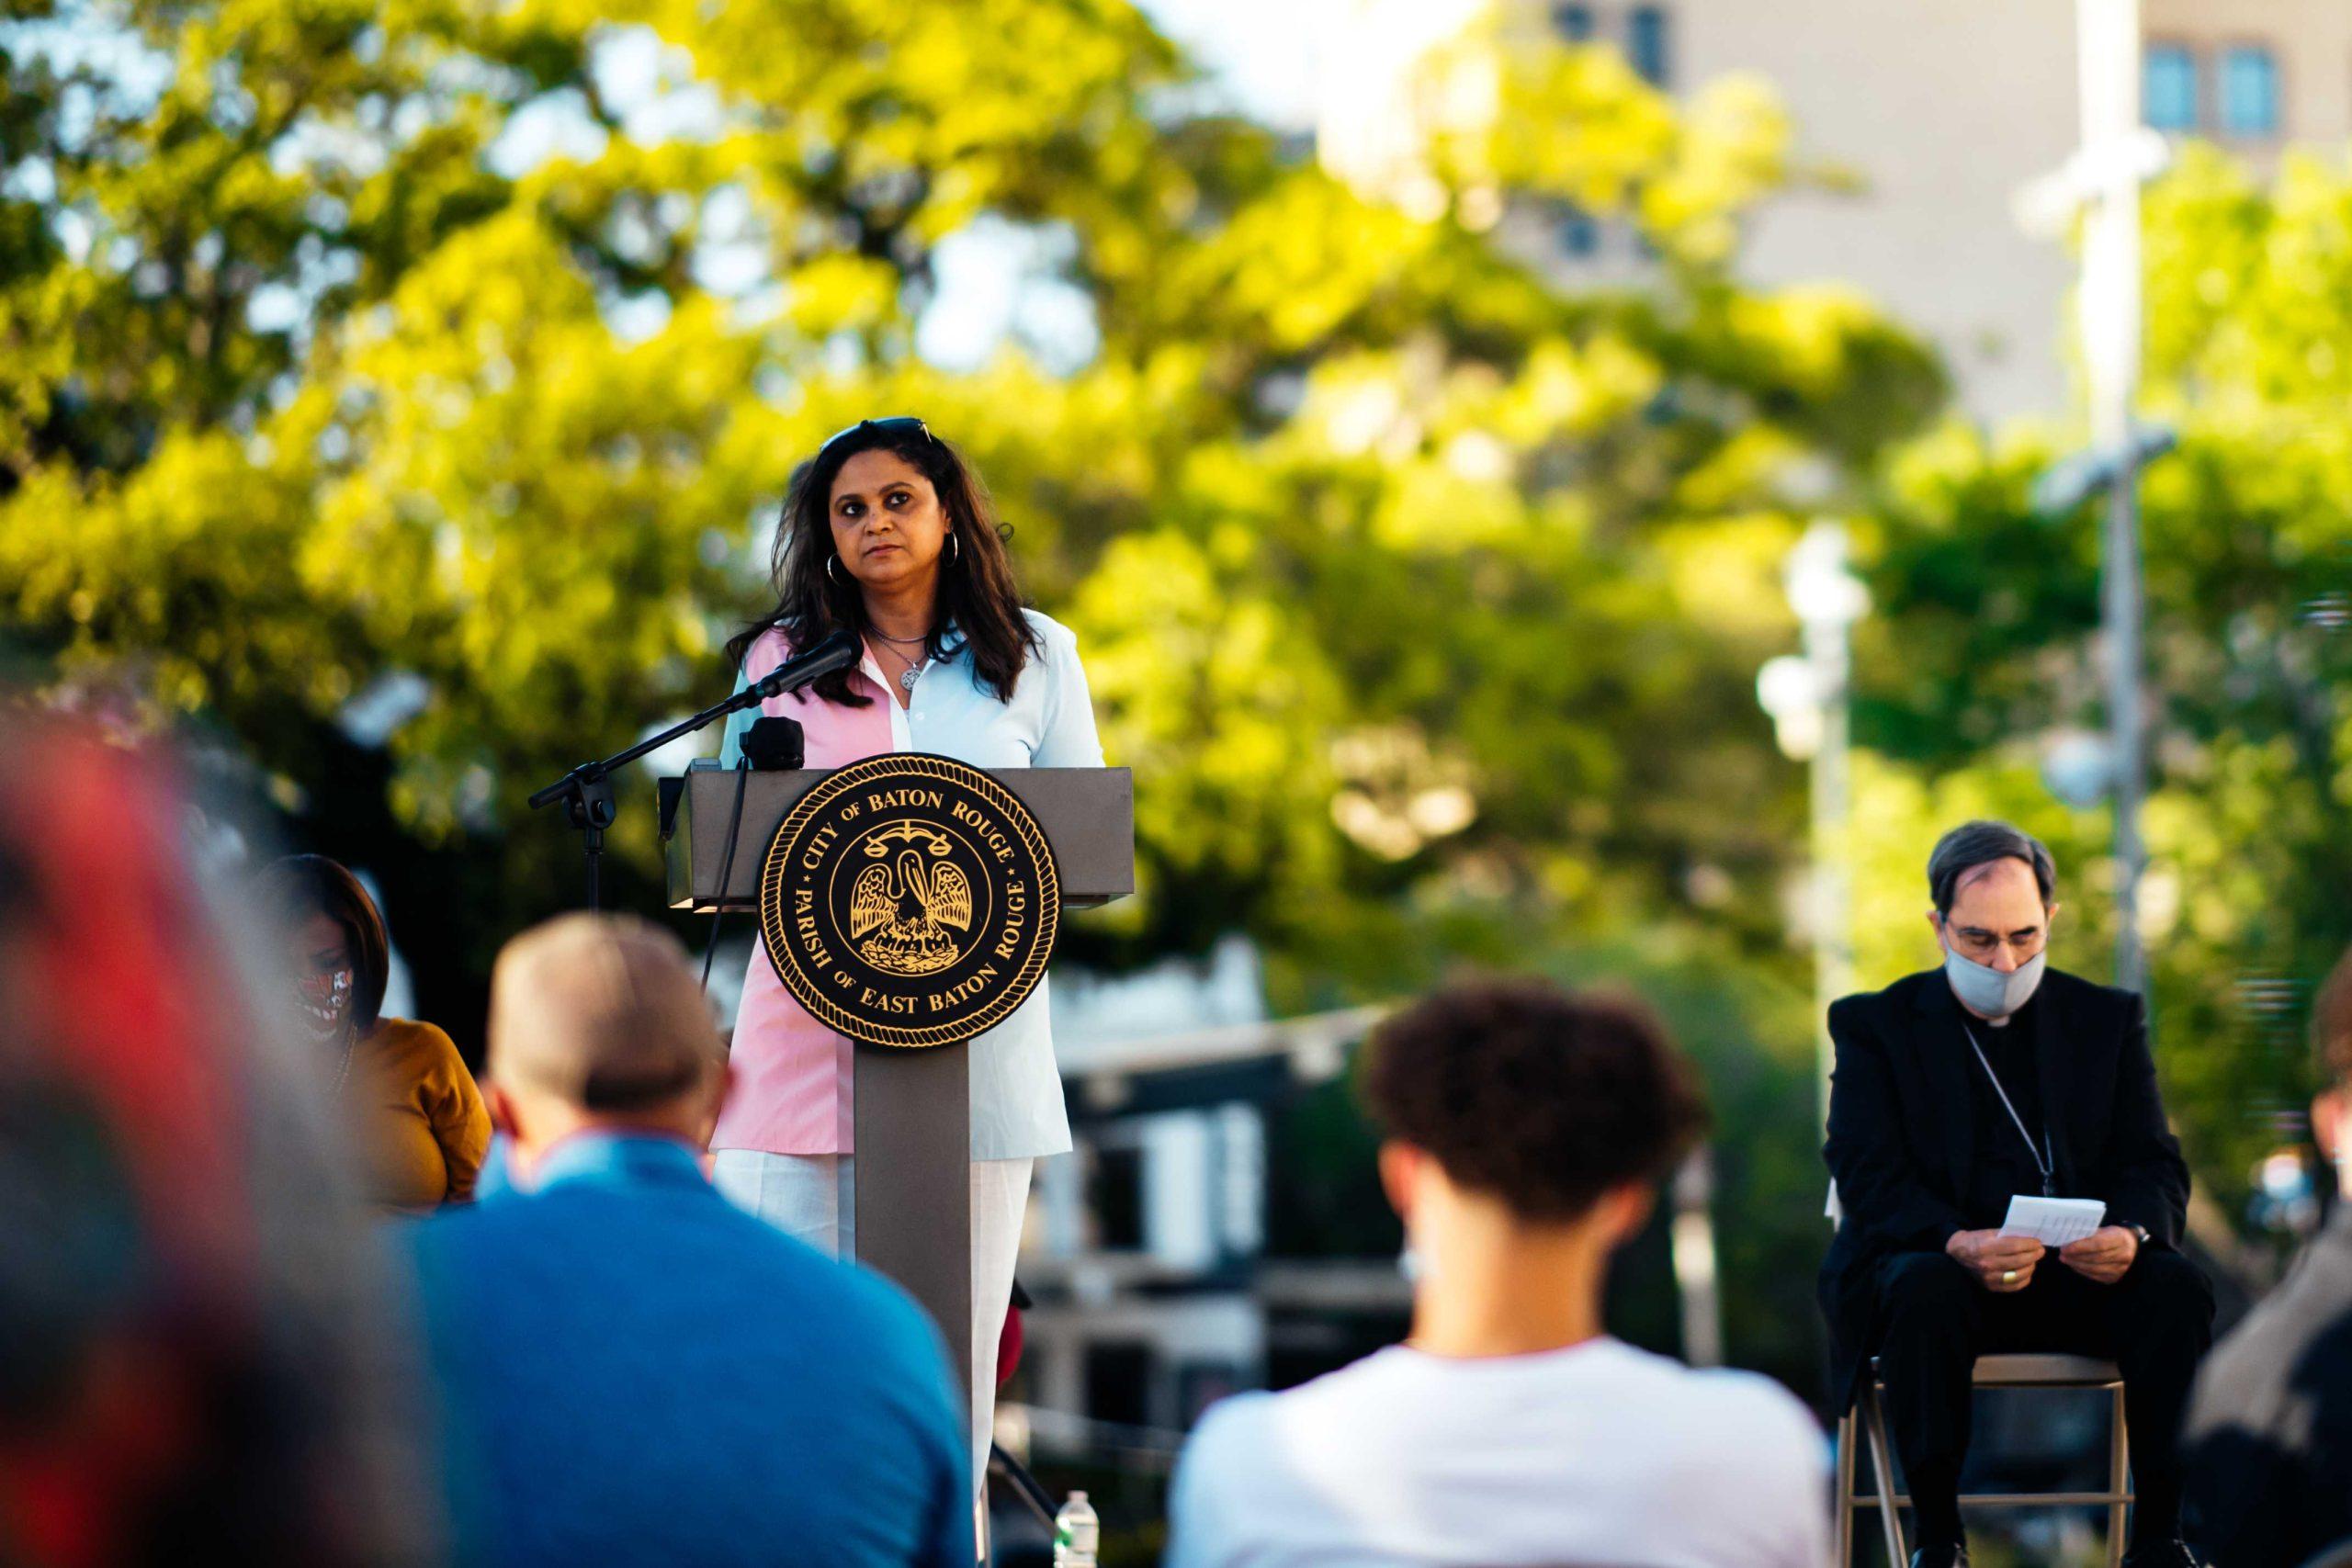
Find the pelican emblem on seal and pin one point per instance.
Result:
(902, 908)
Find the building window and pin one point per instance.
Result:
(1579, 235)
(1200, 1384)
(2169, 88)
(1573, 22)
(2249, 91)
(1115, 1193)
(1118, 1382)
(1645, 43)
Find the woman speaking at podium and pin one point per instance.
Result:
(888, 533)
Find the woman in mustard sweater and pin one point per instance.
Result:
(421, 1121)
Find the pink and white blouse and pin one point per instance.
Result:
(792, 1093)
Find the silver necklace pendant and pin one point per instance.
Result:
(907, 680)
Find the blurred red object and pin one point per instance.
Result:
(1008, 1348)
(194, 1368)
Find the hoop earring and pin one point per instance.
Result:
(954, 546)
(831, 575)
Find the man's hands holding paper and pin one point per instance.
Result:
(2005, 1264)
(2103, 1257)
(2002, 1264)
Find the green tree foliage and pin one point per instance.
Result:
(1986, 652)
(469, 347)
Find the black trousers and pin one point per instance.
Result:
(1934, 1320)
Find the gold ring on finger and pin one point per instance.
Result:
(2008, 1276)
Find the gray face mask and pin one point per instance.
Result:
(1988, 992)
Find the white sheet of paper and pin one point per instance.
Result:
(2053, 1222)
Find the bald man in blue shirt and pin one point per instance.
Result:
(629, 1369)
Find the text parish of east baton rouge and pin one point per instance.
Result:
(910, 900)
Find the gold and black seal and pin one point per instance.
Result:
(910, 900)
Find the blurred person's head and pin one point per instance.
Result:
(330, 938)
(2332, 1035)
(1994, 888)
(1520, 1122)
(888, 510)
(598, 1024)
(193, 1362)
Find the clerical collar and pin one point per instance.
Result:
(2004, 1022)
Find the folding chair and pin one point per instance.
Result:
(1868, 1419)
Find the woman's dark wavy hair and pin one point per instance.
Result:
(294, 888)
(978, 594)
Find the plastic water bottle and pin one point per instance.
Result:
(1076, 1533)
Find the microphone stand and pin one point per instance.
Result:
(587, 791)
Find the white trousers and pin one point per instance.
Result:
(814, 1198)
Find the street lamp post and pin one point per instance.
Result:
(1807, 697)
(2109, 41)
(2102, 181)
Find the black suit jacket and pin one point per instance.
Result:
(1902, 1132)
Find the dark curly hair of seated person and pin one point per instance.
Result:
(1542, 1099)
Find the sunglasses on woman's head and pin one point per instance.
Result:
(896, 421)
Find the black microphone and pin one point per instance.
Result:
(587, 790)
(838, 652)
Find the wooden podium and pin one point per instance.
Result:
(907, 845)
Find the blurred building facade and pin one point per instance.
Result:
(1219, 1226)
(1929, 116)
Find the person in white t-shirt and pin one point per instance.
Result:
(1526, 1130)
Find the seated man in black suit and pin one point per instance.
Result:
(2270, 1438)
(1955, 1089)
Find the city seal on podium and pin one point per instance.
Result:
(910, 900)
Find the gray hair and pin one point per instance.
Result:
(1981, 843)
